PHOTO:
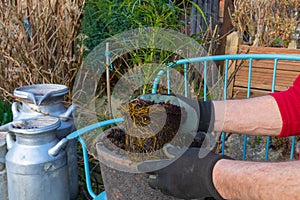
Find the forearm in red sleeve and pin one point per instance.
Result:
(289, 105)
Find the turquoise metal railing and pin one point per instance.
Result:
(227, 58)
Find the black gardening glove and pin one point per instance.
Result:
(200, 113)
(188, 177)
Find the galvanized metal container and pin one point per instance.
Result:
(32, 174)
(3, 178)
(44, 100)
(48, 100)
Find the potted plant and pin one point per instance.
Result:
(148, 130)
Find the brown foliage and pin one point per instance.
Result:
(266, 21)
(44, 54)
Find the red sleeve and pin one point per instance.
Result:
(289, 105)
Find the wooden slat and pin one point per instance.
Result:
(262, 78)
(232, 42)
(267, 50)
(241, 93)
(262, 72)
(282, 65)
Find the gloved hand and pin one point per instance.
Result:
(188, 177)
(200, 114)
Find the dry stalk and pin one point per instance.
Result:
(265, 22)
(37, 43)
(143, 129)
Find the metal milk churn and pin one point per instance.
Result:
(3, 179)
(44, 100)
(32, 174)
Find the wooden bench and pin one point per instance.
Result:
(262, 72)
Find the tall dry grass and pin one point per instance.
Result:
(37, 43)
(267, 23)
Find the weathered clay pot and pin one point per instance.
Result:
(121, 181)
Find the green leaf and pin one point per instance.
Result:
(200, 11)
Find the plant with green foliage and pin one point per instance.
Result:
(104, 18)
(5, 112)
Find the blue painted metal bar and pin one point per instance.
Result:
(156, 81)
(249, 77)
(225, 97)
(239, 57)
(274, 74)
(244, 147)
(168, 80)
(111, 67)
(223, 137)
(27, 26)
(226, 79)
(86, 129)
(205, 81)
(186, 84)
(86, 168)
(101, 196)
(248, 96)
(267, 148)
(293, 148)
(272, 89)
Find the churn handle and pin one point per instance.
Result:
(15, 109)
(66, 115)
(59, 146)
(10, 142)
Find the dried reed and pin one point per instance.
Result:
(265, 22)
(37, 43)
(147, 128)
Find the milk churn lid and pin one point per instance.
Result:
(35, 125)
(39, 92)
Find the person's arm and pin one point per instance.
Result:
(257, 180)
(192, 176)
(254, 116)
(276, 114)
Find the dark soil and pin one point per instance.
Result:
(117, 137)
(149, 125)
